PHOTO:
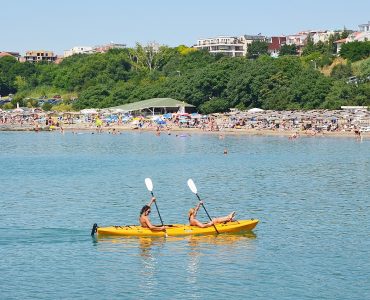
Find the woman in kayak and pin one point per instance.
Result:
(144, 218)
(194, 222)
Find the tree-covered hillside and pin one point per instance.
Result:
(212, 83)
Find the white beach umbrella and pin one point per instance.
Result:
(255, 110)
(88, 111)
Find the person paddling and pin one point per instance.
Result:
(194, 222)
(144, 217)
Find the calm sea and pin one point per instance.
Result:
(311, 196)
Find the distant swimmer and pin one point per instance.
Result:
(294, 136)
(225, 151)
(358, 134)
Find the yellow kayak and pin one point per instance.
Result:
(176, 229)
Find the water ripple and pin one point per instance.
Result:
(311, 197)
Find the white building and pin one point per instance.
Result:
(107, 47)
(365, 27)
(321, 35)
(358, 36)
(79, 50)
(298, 39)
(227, 45)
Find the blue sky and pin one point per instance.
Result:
(57, 26)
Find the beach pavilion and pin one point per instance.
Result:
(155, 106)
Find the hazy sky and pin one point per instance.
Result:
(61, 25)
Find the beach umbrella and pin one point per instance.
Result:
(88, 111)
(195, 116)
(167, 116)
(183, 114)
(160, 122)
(255, 110)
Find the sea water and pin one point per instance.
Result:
(311, 196)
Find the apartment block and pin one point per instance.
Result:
(40, 55)
(364, 27)
(79, 50)
(229, 45)
(275, 43)
(107, 47)
(226, 45)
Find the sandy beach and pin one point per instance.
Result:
(352, 122)
(119, 129)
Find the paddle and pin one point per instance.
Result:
(193, 188)
(149, 186)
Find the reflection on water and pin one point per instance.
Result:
(222, 239)
(229, 243)
(195, 249)
(148, 249)
(147, 245)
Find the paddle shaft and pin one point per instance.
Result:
(156, 206)
(207, 213)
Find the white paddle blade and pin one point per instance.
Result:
(149, 184)
(192, 186)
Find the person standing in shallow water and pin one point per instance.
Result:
(194, 222)
(144, 217)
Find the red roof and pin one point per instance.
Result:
(341, 41)
(2, 54)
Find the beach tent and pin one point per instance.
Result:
(118, 110)
(156, 106)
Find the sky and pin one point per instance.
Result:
(58, 26)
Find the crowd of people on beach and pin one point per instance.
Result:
(292, 122)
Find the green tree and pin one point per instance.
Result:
(257, 48)
(5, 87)
(355, 51)
(47, 106)
(332, 46)
(288, 50)
(93, 96)
(207, 81)
(345, 33)
(214, 106)
(341, 71)
(309, 47)
(149, 57)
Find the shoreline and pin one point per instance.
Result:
(242, 131)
